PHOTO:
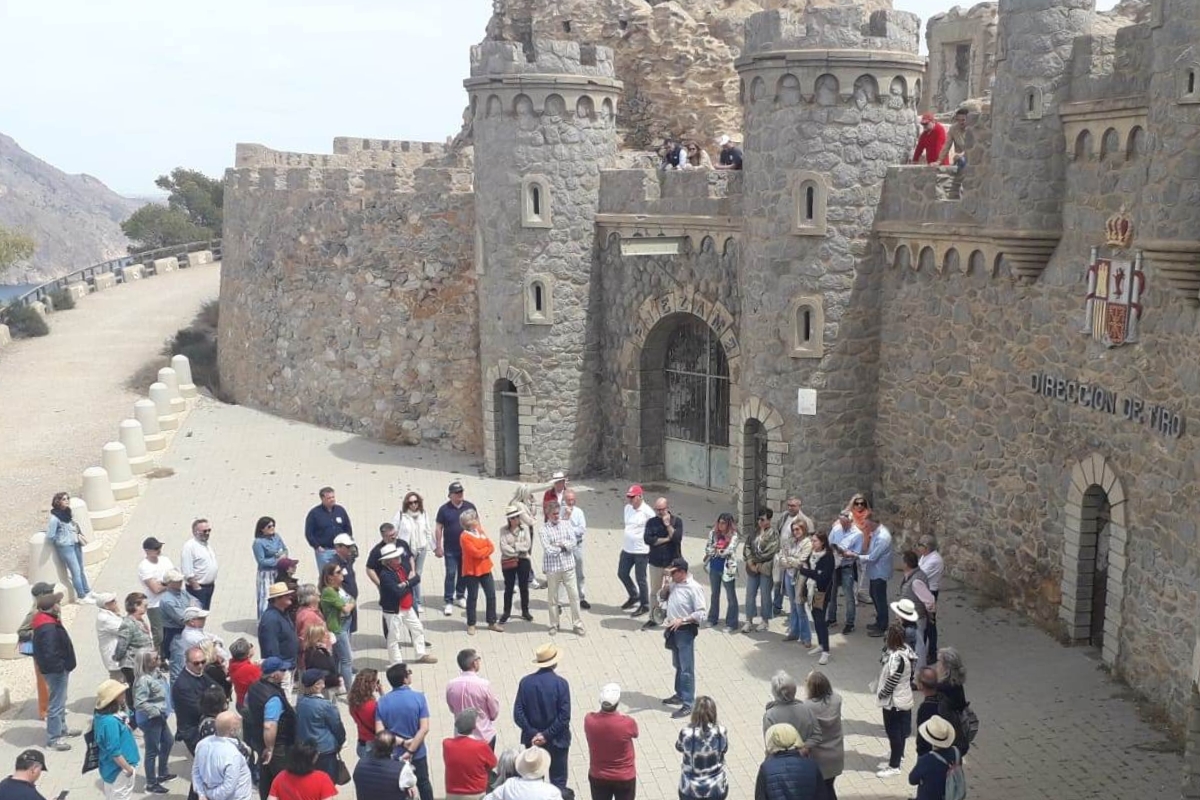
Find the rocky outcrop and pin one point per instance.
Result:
(675, 58)
(74, 219)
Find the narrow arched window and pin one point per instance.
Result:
(1191, 81)
(804, 324)
(539, 299)
(535, 200)
(810, 203)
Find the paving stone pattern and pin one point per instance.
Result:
(1053, 724)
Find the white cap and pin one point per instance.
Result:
(559, 476)
(192, 612)
(610, 694)
(344, 538)
(724, 140)
(104, 598)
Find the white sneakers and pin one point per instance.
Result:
(88, 600)
(824, 659)
(461, 602)
(815, 650)
(448, 610)
(888, 772)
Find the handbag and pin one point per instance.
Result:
(91, 756)
(25, 648)
(343, 772)
(818, 600)
(508, 563)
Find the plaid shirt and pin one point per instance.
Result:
(554, 558)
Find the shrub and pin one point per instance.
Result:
(62, 300)
(24, 322)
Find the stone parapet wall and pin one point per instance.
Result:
(404, 158)
(650, 191)
(542, 57)
(1113, 65)
(831, 27)
(350, 304)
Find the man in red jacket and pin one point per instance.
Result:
(55, 657)
(931, 141)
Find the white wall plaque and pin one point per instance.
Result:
(658, 246)
(806, 402)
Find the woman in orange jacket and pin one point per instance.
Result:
(477, 551)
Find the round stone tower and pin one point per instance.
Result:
(829, 104)
(544, 124)
(1033, 54)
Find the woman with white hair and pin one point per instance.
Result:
(785, 708)
(532, 766)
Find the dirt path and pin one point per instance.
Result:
(63, 396)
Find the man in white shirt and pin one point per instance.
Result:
(577, 522)
(635, 553)
(151, 572)
(932, 565)
(220, 770)
(199, 564)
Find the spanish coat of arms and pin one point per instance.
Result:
(1115, 285)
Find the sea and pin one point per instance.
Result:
(10, 290)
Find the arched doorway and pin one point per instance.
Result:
(685, 404)
(1097, 514)
(508, 429)
(754, 473)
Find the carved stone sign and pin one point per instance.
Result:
(651, 247)
(1159, 419)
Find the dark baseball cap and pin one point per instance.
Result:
(150, 543)
(41, 588)
(27, 758)
(456, 487)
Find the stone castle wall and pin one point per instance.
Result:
(350, 303)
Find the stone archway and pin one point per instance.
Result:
(643, 383)
(1094, 545)
(758, 474)
(497, 383)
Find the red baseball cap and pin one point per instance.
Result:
(928, 117)
(634, 491)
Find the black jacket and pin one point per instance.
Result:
(52, 648)
(185, 697)
(252, 720)
(789, 776)
(663, 554)
(393, 588)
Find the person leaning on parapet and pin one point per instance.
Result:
(63, 532)
(672, 155)
(21, 784)
(322, 525)
(931, 142)
(731, 154)
(956, 140)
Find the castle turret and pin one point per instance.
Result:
(1033, 50)
(543, 124)
(829, 103)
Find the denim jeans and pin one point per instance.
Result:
(156, 733)
(580, 581)
(638, 562)
(931, 643)
(758, 587)
(454, 585)
(845, 578)
(777, 599)
(72, 558)
(324, 557)
(420, 565)
(879, 594)
(897, 723)
(798, 615)
(56, 712)
(345, 657)
(716, 581)
(683, 659)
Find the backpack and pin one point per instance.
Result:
(956, 776)
(970, 723)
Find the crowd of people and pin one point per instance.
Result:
(676, 154)
(266, 713)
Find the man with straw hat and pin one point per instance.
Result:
(276, 631)
(543, 713)
(396, 601)
(940, 765)
(530, 781)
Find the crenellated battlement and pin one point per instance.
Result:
(352, 145)
(554, 78)
(544, 57)
(338, 180)
(1112, 65)
(831, 28)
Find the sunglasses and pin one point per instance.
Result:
(206, 530)
(414, 502)
(859, 504)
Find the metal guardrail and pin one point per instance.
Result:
(88, 274)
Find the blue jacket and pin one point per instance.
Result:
(318, 720)
(789, 776)
(61, 534)
(878, 560)
(114, 738)
(544, 706)
(277, 635)
(321, 526)
(267, 551)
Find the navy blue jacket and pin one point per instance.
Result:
(52, 648)
(277, 635)
(321, 526)
(378, 779)
(544, 706)
(663, 554)
(789, 776)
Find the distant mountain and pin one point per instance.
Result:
(75, 219)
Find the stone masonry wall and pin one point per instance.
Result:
(350, 304)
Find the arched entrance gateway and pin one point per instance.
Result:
(1094, 540)
(685, 403)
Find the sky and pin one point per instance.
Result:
(125, 90)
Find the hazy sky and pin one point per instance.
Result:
(127, 89)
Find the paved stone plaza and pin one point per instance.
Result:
(1053, 724)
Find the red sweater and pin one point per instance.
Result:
(610, 738)
(930, 145)
(468, 763)
(242, 674)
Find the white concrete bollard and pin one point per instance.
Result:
(41, 308)
(103, 510)
(147, 416)
(168, 420)
(162, 265)
(78, 291)
(105, 280)
(5, 335)
(120, 477)
(170, 378)
(92, 549)
(44, 566)
(132, 272)
(14, 605)
(183, 371)
(140, 462)
(199, 257)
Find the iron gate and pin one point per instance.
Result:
(696, 429)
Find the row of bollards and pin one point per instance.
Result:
(96, 508)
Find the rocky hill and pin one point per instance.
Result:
(674, 56)
(75, 219)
